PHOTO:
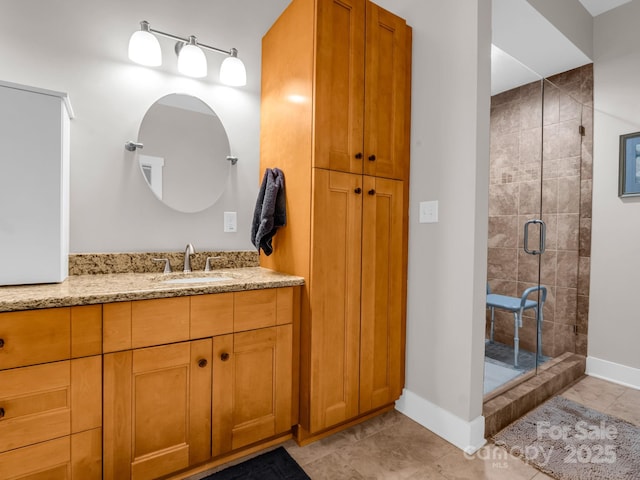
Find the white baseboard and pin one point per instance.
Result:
(468, 436)
(613, 372)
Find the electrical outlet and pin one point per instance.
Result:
(429, 212)
(230, 222)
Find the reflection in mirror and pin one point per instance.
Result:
(185, 153)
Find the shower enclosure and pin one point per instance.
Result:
(539, 222)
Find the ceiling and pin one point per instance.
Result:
(528, 47)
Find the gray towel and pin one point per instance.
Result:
(270, 212)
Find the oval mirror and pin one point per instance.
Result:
(184, 160)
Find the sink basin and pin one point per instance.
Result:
(196, 280)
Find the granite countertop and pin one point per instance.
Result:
(117, 287)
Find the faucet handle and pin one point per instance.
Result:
(207, 265)
(167, 266)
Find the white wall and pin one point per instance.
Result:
(614, 313)
(449, 163)
(80, 47)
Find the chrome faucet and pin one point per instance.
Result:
(189, 250)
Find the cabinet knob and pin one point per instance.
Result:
(224, 356)
(372, 158)
(202, 362)
(371, 192)
(1, 342)
(358, 190)
(359, 155)
(1, 412)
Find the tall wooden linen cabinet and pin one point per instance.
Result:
(335, 117)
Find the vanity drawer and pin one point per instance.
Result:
(34, 336)
(75, 457)
(43, 402)
(144, 323)
(31, 337)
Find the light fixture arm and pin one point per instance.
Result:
(186, 40)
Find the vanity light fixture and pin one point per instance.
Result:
(144, 49)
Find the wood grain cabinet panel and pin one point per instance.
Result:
(75, 457)
(51, 400)
(157, 408)
(252, 387)
(347, 226)
(211, 315)
(34, 336)
(254, 309)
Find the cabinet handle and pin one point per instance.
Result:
(224, 356)
(371, 192)
(1, 412)
(372, 158)
(202, 362)
(358, 190)
(1, 342)
(359, 155)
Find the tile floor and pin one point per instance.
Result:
(394, 447)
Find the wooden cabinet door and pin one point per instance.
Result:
(335, 298)
(339, 87)
(381, 317)
(251, 387)
(386, 106)
(157, 410)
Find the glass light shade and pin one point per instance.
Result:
(232, 72)
(144, 49)
(192, 62)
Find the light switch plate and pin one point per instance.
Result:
(230, 222)
(429, 212)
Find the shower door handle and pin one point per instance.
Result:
(543, 235)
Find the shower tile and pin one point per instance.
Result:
(585, 237)
(561, 140)
(551, 222)
(550, 195)
(533, 88)
(586, 164)
(584, 275)
(505, 150)
(569, 195)
(567, 268)
(503, 199)
(505, 118)
(566, 305)
(570, 108)
(564, 338)
(548, 267)
(505, 97)
(531, 146)
(529, 198)
(582, 316)
(503, 232)
(503, 287)
(551, 104)
(530, 111)
(586, 187)
(502, 263)
(581, 344)
(568, 231)
(527, 267)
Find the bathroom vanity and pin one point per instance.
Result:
(133, 376)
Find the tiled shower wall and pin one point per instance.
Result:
(518, 146)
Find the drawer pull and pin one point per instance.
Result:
(1, 412)
(359, 155)
(372, 158)
(357, 190)
(1, 342)
(371, 192)
(202, 362)
(224, 356)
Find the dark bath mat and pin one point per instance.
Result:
(274, 465)
(572, 442)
